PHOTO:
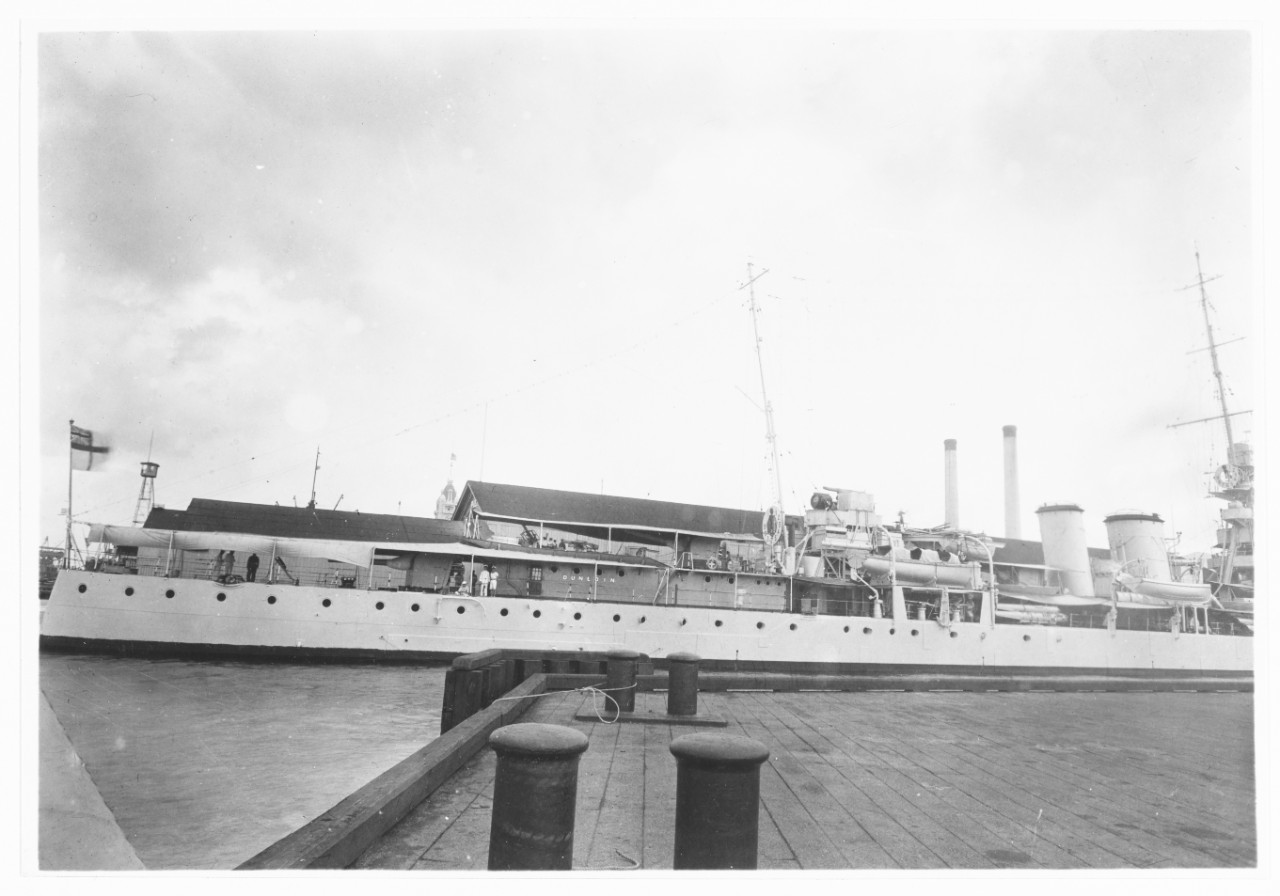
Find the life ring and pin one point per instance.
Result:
(713, 564)
(1227, 476)
(774, 520)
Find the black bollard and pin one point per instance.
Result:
(717, 801)
(620, 681)
(534, 795)
(682, 684)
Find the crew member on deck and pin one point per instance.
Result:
(484, 581)
(251, 568)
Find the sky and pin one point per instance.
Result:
(526, 247)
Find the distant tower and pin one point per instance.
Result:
(448, 499)
(146, 494)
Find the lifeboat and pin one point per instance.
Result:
(924, 572)
(1176, 593)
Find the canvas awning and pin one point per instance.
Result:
(357, 553)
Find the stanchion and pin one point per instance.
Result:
(717, 801)
(682, 684)
(534, 794)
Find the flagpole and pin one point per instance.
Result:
(66, 556)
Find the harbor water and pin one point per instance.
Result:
(205, 764)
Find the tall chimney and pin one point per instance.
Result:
(952, 485)
(1012, 529)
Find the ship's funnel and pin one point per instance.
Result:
(1065, 547)
(1012, 528)
(1137, 544)
(952, 485)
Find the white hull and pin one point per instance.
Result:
(297, 624)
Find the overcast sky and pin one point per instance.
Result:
(526, 248)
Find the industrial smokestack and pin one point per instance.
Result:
(952, 485)
(1012, 529)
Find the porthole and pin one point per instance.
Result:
(271, 598)
(759, 625)
(222, 597)
(642, 619)
(621, 573)
(82, 589)
(537, 613)
(414, 608)
(719, 623)
(1026, 637)
(893, 631)
(555, 569)
(128, 592)
(867, 630)
(326, 602)
(757, 581)
(846, 629)
(379, 605)
(793, 626)
(914, 632)
(169, 593)
(502, 612)
(461, 610)
(955, 634)
(617, 618)
(706, 578)
(683, 621)
(577, 570)
(577, 616)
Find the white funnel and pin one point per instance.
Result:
(1065, 548)
(1137, 544)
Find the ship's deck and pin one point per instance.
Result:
(911, 780)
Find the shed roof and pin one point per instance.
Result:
(1020, 552)
(527, 504)
(206, 515)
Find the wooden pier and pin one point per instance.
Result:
(863, 778)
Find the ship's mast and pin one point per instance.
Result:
(1232, 467)
(1217, 370)
(770, 433)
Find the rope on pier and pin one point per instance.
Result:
(589, 689)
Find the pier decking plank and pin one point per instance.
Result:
(879, 779)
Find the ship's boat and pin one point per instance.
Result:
(1173, 593)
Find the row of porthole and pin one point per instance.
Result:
(758, 582)
(271, 599)
(577, 570)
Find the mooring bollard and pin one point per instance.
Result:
(717, 801)
(682, 684)
(620, 679)
(534, 794)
